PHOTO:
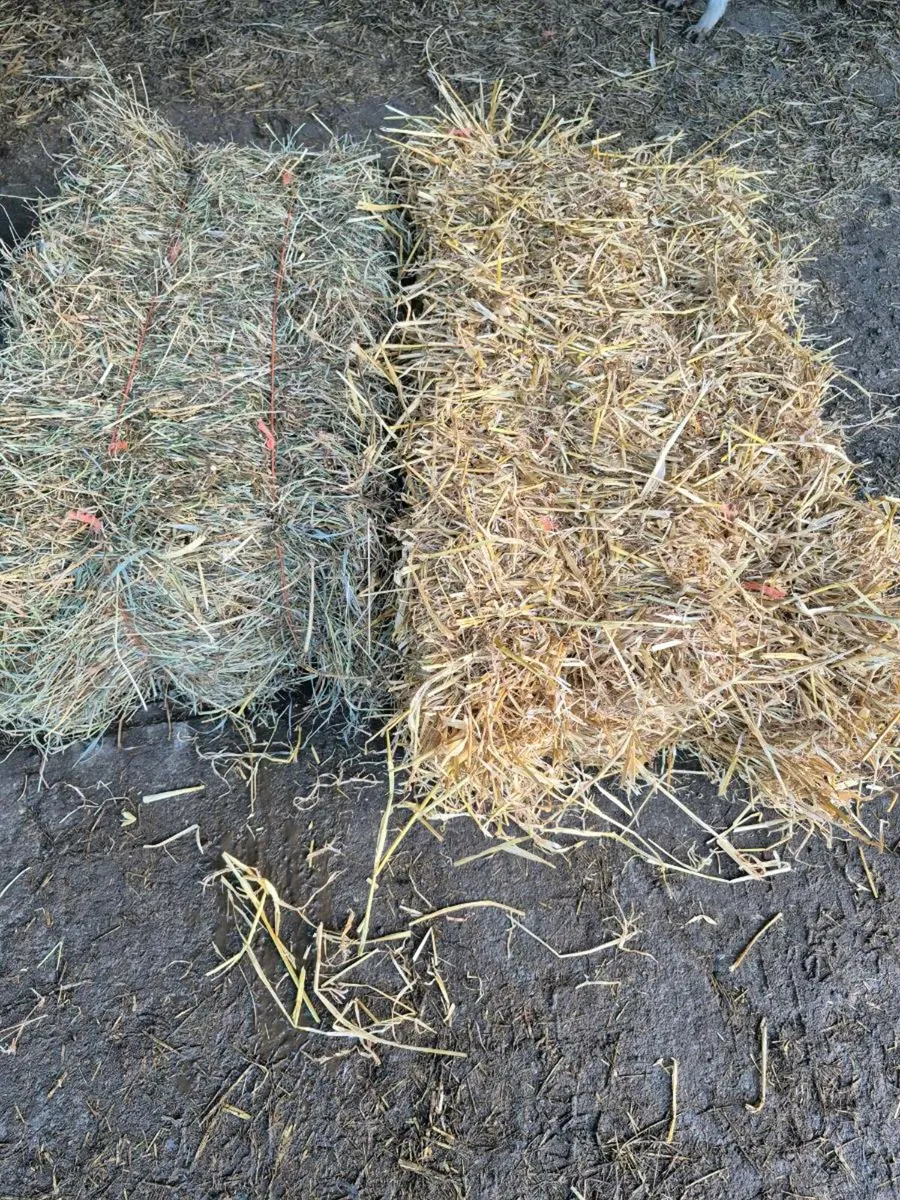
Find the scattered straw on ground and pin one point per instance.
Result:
(34, 42)
(389, 993)
(189, 447)
(375, 992)
(812, 84)
(628, 529)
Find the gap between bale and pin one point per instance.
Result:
(192, 444)
(628, 529)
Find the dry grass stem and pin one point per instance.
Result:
(673, 1115)
(378, 995)
(760, 1104)
(763, 929)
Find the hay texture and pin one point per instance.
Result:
(628, 528)
(190, 453)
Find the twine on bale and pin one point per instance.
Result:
(191, 440)
(628, 528)
(269, 431)
(116, 442)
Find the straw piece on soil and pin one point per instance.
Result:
(190, 441)
(628, 527)
(336, 988)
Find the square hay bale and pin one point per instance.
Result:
(191, 452)
(628, 527)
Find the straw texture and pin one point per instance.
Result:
(628, 528)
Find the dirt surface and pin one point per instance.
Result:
(126, 1070)
(130, 1072)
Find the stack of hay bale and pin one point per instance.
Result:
(190, 441)
(627, 528)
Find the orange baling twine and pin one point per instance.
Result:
(117, 444)
(91, 520)
(270, 431)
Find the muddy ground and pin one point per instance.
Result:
(126, 1070)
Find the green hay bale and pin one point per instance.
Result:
(191, 452)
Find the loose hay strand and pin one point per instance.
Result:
(336, 983)
(763, 929)
(628, 527)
